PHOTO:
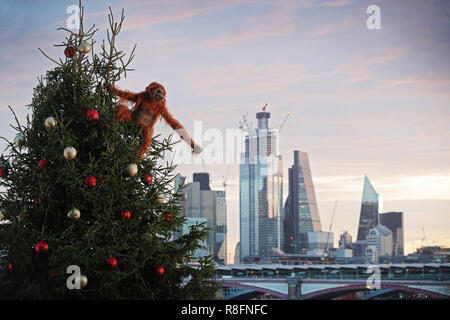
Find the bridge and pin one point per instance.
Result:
(332, 281)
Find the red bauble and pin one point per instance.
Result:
(70, 52)
(160, 271)
(10, 267)
(92, 115)
(2, 172)
(43, 163)
(168, 217)
(111, 262)
(41, 247)
(90, 181)
(148, 178)
(126, 215)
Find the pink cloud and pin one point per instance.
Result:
(330, 28)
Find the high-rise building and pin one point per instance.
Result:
(201, 204)
(198, 203)
(203, 179)
(371, 206)
(301, 211)
(379, 244)
(221, 227)
(260, 191)
(394, 221)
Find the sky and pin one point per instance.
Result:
(362, 101)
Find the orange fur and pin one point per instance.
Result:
(149, 105)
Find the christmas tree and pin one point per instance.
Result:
(83, 216)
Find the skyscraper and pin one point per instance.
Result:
(221, 227)
(203, 179)
(198, 203)
(301, 212)
(260, 191)
(371, 206)
(394, 221)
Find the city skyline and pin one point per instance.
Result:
(363, 101)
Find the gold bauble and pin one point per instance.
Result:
(74, 214)
(50, 123)
(132, 169)
(70, 153)
(1, 215)
(84, 47)
(160, 198)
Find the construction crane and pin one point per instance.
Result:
(284, 121)
(243, 124)
(423, 236)
(325, 253)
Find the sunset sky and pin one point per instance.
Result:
(362, 101)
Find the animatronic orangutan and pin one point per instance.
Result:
(148, 106)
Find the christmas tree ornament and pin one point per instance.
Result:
(126, 215)
(168, 217)
(84, 47)
(41, 247)
(160, 271)
(83, 281)
(1, 215)
(70, 52)
(70, 153)
(10, 267)
(19, 140)
(111, 262)
(2, 172)
(43, 163)
(74, 214)
(50, 123)
(147, 178)
(92, 115)
(132, 169)
(160, 198)
(90, 181)
(52, 275)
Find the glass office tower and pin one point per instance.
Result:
(260, 192)
(301, 211)
(371, 206)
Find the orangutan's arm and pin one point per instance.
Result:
(126, 95)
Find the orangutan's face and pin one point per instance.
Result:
(156, 91)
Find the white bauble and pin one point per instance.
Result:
(70, 153)
(132, 169)
(19, 140)
(50, 123)
(83, 281)
(84, 47)
(74, 214)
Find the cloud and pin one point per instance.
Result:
(143, 14)
(330, 29)
(363, 69)
(246, 79)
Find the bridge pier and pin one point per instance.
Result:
(294, 288)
